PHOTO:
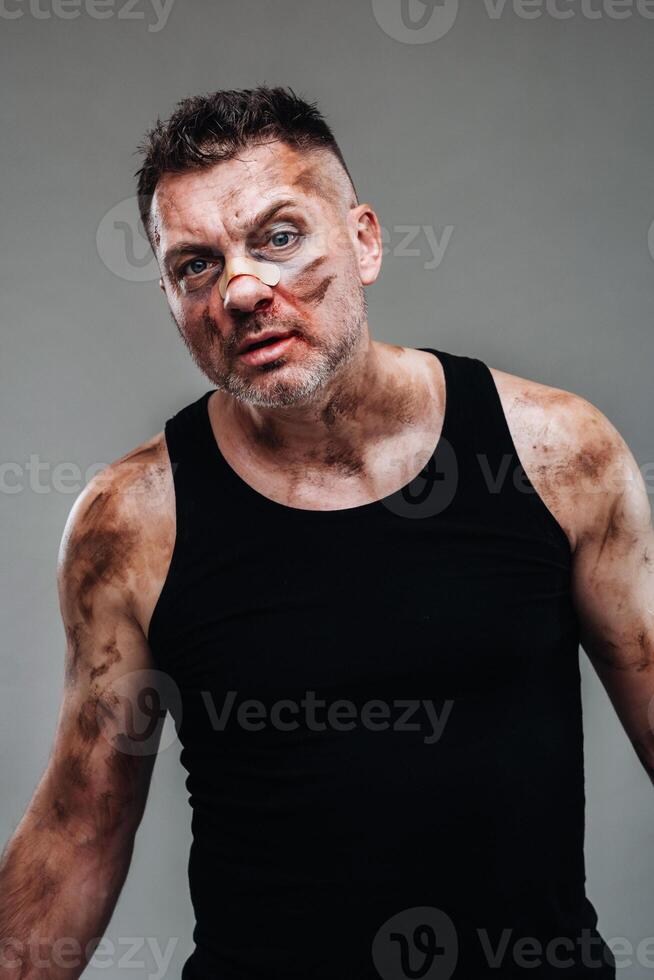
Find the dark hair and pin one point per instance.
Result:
(205, 129)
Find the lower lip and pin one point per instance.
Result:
(262, 355)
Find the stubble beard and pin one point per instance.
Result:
(326, 358)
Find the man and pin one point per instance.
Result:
(365, 569)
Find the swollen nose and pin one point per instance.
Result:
(245, 293)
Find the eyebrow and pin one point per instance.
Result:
(264, 216)
(261, 218)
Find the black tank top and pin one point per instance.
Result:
(380, 717)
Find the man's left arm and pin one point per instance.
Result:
(613, 587)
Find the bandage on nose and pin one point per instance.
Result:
(267, 272)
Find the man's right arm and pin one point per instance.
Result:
(64, 867)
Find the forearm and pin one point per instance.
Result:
(57, 895)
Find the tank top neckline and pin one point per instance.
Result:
(372, 506)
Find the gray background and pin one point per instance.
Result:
(531, 139)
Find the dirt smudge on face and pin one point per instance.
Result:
(209, 326)
(312, 182)
(315, 296)
(60, 811)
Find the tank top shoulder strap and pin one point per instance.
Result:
(482, 407)
(492, 479)
(193, 459)
(185, 432)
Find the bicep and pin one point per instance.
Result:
(98, 774)
(613, 584)
(110, 719)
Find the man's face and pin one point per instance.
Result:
(277, 205)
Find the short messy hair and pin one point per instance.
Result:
(205, 129)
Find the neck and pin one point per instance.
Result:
(377, 395)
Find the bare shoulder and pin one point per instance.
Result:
(572, 453)
(120, 533)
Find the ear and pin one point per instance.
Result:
(366, 235)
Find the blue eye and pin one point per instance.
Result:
(287, 235)
(196, 266)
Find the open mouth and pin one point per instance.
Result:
(266, 343)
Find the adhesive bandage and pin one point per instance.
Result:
(267, 272)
